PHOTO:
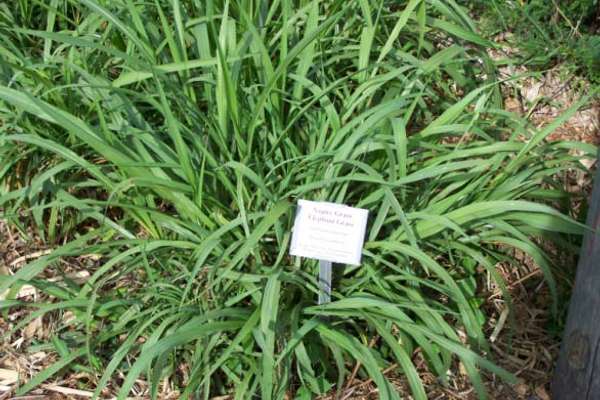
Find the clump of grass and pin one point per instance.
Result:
(547, 32)
(171, 139)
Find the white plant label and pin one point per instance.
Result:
(329, 231)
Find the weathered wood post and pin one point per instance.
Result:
(577, 374)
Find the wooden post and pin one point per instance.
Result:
(577, 375)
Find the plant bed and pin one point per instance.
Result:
(158, 149)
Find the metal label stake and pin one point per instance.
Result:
(324, 281)
(330, 233)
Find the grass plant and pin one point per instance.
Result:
(169, 140)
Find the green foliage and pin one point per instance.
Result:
(166, 142)
(588, 55)
(547, 31)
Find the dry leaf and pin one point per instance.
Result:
(8, 376)
(40, 355)
(4, 271)
(68, 317)
(68, 391)
(521, 388)
(588, 163)
(33, 328)
(462, 370)
(4, 388)
(541, 392)
(31, 256)
(26, 290)
(532, 92)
